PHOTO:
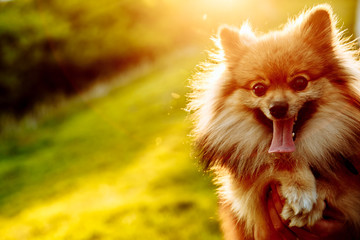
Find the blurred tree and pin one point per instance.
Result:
(51, 46)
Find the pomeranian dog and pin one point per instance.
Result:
(284, 108)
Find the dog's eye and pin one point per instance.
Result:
(259, 89)
(299, 83)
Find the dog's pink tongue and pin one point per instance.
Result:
(282, 141)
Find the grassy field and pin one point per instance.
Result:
(117, 166)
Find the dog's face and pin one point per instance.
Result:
(279, 78)
(282, 74)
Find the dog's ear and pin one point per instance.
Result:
(234, 41)
(318, 27)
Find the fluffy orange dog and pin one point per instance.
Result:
(282, 108)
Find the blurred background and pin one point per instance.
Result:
(93, 132)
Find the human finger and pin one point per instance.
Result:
(276, 220)
(264, 230)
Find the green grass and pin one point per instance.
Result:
(115, 167)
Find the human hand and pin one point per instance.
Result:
(332, 226)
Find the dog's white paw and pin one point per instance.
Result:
(301, 207)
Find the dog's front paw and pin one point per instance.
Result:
(301, 207)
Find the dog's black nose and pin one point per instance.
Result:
(279, 109)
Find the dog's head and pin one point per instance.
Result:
(284, 73)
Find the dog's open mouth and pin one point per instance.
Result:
(285, 131)
(282, 141)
